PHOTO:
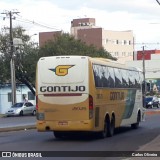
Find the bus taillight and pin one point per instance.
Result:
(90, 107)
(37, 103)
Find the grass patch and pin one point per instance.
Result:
(2, 115)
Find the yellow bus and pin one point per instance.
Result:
(84, 94)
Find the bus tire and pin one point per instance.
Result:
(110, 127)
(58, 134)
(136, 125)
(103, 134)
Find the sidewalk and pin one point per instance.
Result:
(7, 125)
(152, 148)
(153, 111)
(17, 128)
(153, 145)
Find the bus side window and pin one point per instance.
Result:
(125, 78)
(137, 80)
(131, 79)
(118, 78)
(104, 78)
(96, 75)
(111, 78)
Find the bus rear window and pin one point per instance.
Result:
(63, 70)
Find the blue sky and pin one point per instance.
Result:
(141, 16)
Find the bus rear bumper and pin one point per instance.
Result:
(85, 125)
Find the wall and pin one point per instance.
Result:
(46, 36)
(5, 89)
(119, 43)
(82, 23)
(91, 36)
(147, 54)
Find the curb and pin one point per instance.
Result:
(18, 128)
(152, 112)
(2, 115)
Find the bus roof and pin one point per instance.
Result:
(112, 63)
(98, 60)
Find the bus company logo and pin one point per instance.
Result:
(61, 70)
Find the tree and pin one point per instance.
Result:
(25, 62)
(27, 55)
(65, 44)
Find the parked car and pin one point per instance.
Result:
(21, 108)
(151, 102)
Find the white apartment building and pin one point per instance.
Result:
(120, 44)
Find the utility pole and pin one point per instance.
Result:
(144, 77)
(12, 64)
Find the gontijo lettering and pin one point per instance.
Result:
(61, 70)
(62, 88)
(117, 96)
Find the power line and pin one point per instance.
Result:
(154, 71)
(35, 23)
(20, 19)
(158, 2)
(147, 43)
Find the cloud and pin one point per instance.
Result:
(111, 15)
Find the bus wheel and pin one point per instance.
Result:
(103, 134)
(58, 134)
(110, 127)
(136, 125)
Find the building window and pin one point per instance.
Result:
(117, 42)
(125, 42)
(24, 97)
(112, 53)
(129, 53)
(31, 96)
(116, 54)
(123, 54)
(9, 97)
(106, 41)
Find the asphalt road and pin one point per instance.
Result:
(125, 139)
(17, 121)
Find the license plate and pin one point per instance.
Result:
(63, 123)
